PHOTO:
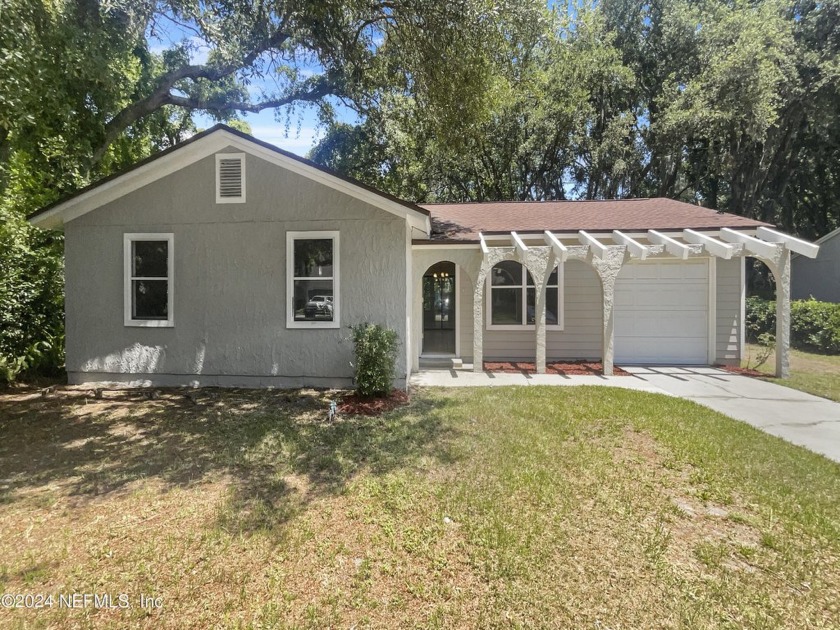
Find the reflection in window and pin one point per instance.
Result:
(149, 280)
(513, 296)
(313, 281)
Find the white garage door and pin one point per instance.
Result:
(661, 312)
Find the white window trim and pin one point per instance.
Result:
(128, 239)
(242, 161)
(291, 237)
(561, 297)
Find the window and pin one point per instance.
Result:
(149, 281)
(230, 178)
(513, 298)
(312, 279)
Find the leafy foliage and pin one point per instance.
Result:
(31, 299)
(733, 105)
(814, 325)
(375, 356)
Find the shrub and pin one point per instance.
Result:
(376, 355)
(813, 325)
(760, 318)
(31, 299)
(42, 358)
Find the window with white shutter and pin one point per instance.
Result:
(230, 178)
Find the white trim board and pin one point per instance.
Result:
(242, 175)
(561, 298)
(212, 143)
(128, 318)
(291, 237)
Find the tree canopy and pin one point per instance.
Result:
(732, 105)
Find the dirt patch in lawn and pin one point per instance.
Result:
(563, 368)
(694, 532)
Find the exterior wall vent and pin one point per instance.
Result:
(230, 178)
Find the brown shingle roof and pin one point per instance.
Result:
(463, 221)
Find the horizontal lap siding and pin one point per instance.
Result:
(465, 308)
(580, 338)
(728, 324)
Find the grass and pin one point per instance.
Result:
(496, 507)
(817, 374)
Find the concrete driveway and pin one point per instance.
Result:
(792, 415)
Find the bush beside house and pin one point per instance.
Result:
(814, 325)
(376, 355)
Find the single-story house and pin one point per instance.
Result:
(818, 278)
(227, 261)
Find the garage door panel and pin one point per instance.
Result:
(661, 312)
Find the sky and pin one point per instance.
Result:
(304, 131)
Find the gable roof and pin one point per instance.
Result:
(827, 237)
(202, 145)
(463, 221)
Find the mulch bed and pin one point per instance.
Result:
(352, 404)
(744, 371)
(564, 368)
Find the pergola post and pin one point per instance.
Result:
(608, 269)
(782, 275)
(478, 319)
(775, 254)
(540, 262)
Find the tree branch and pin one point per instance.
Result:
(162, 94)
(317, 92)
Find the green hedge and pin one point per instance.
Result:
(813, 325)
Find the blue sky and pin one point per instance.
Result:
(303, 133)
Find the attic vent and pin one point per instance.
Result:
(230, 178)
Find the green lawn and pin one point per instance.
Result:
(580, 507)
(817, 374)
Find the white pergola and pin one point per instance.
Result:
(607, 254)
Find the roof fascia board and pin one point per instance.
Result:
(129, 182)
(204, 147)
(415, 219)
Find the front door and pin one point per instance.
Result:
(439, 309)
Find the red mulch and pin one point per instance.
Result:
(564, 368)
(352, 404)
(743, 371)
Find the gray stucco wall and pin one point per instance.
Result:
(818, 277)
(729, 294)
(230, 282)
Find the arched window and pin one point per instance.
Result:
(513, 298)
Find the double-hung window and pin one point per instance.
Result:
(513, 298)
(312, 280)
(149, 279)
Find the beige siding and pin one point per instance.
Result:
(580, 338)
(465, 310)
(728, 330)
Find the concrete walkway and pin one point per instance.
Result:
(787, 413)
(468, 378)
(795, 416)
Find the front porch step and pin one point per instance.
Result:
(441, 363)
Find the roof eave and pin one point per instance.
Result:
(203, 145)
